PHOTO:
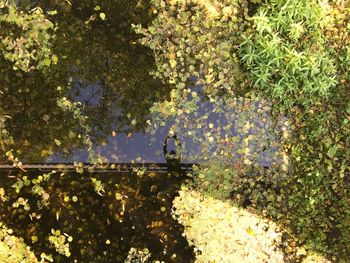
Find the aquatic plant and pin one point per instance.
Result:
(197, 40)
(289, 54)
(60, 243)
(26, 37)
(13, 249)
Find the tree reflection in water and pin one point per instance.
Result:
(99, 64)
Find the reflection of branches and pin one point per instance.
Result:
(86, 102)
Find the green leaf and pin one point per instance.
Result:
(47, 62)
(332, 151)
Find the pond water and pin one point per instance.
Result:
(133, 211)
(102, 66)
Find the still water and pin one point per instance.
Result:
(102, 67)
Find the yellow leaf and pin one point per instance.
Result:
(250, 231)
(103, 16)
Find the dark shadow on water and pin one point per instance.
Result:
(134, 211)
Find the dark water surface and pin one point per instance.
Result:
(102, 66)
(133, 211)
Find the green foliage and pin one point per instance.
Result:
(60, 242)
(319, 196)
(319, 147)
(26, 37)
(271, 75)
(286, 53)
(210, 208)
(197, 39)
(13, 249)
(296, 55)
(216, 180)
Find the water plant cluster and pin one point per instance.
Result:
(27, 37)
(295, 54)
